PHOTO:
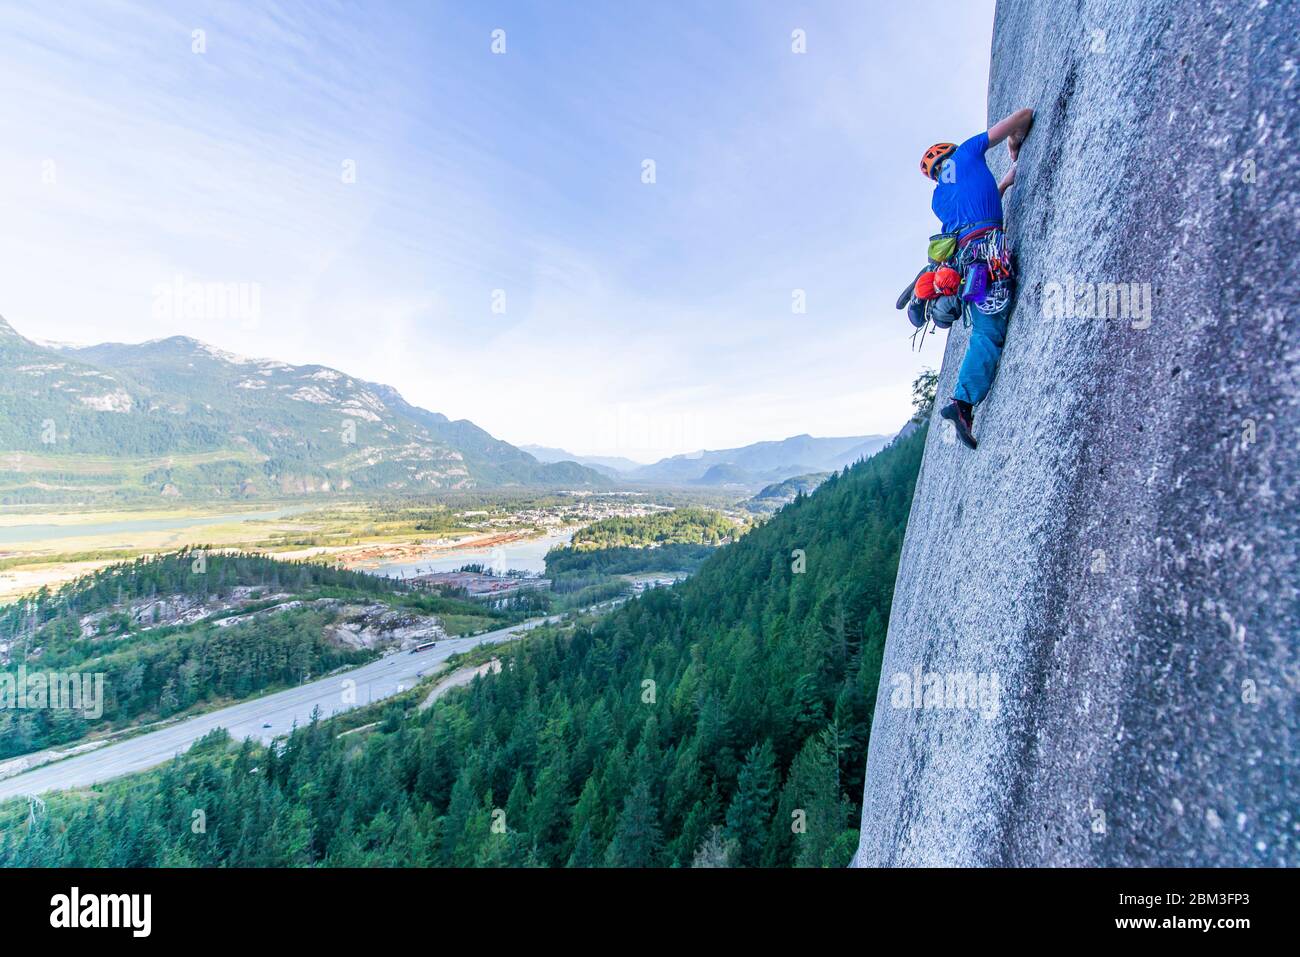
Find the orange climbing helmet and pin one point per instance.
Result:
(934, 156)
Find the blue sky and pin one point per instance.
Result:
(639, 319)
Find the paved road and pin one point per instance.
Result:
(458, 679)
(371, 682)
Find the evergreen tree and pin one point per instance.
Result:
(637, 838)
(750, 811)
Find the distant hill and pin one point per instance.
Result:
(678, 526)
(761, 462)
(778, 494)
(611, 465)
(725, 474)
(176, 418)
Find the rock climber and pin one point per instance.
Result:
(968, 202)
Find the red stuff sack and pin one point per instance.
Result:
(946, 281)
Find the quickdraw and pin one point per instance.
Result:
(990, 247)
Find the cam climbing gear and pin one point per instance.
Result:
(985, 244)
(997, 299)
(934, 156)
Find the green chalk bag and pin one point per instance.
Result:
(943, 246)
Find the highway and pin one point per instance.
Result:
(260, 718)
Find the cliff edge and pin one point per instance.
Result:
(1113, 575)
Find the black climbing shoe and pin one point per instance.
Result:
(962, 417)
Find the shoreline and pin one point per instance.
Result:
(374, 555)
(21, 580)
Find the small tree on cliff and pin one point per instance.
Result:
(924, 387)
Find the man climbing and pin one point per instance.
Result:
(968, 202)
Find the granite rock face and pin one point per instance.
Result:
(1120, 554)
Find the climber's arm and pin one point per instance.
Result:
(1013, 129)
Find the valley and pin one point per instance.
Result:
(45, 548)
(175, 634)
(559, 733)
(312, 552)
(309, 463)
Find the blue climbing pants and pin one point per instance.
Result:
(988, 334)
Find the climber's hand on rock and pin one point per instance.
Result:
(1008, 181)
(1013, 129)
(1013, 145)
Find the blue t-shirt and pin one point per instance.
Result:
(966, 192)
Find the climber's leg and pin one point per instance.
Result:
(982, 353)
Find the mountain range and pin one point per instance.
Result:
(612, 465)
(761, 462)
(178, 418)
(757, 464)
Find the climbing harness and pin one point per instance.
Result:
(970, 267)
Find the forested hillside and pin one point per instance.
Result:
(723, 721)
(675, 541)
(565, 564)
(187, 572)
(678, 526)
(173, 632)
